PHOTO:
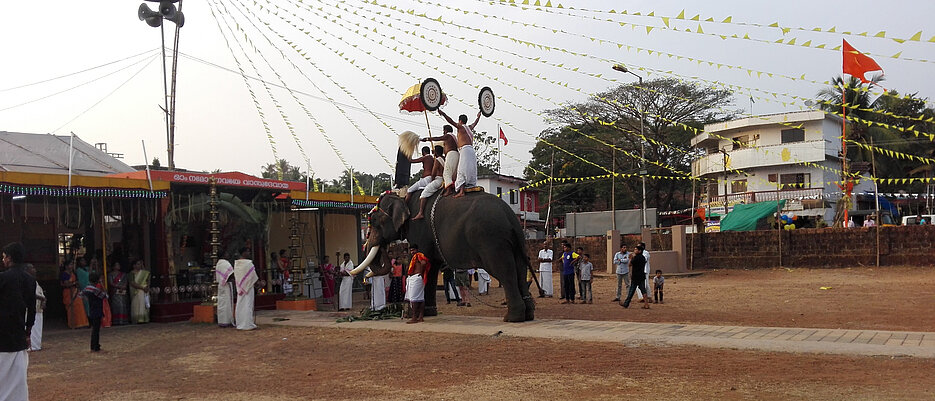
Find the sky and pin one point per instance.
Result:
(335, 71)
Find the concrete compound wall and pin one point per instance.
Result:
(811, 248)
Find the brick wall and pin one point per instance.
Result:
(902, 245)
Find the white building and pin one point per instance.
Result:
(792, 156)
(525, 203)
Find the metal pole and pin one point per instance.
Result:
(71, 156)
(724, 152)
(104, 245)
(613, 185)
(846, 180)
(691, 243)
(165, 96)
(175, 63)
(146, 159)
(548, 214)
(643, 171)
(876, 198)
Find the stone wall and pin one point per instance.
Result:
(814, 248)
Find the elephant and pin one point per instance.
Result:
(477, 230)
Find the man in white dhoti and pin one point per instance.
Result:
(437, 183)
(35, 340)
(224, 275)
(428, 162)
(17, 314)
(345, 294)
(450, 171)
(378, 293)
(483, 282)
(415, 283)
(545, 269)
(245, 276)
(467, 165)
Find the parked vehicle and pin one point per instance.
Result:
(914, 220)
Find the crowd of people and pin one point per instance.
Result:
(632, 270)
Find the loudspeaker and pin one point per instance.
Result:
(167, 9)
(178, 18)
(152, 18)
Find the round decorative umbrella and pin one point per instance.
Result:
(411, 103)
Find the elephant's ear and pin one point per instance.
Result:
(400, 215)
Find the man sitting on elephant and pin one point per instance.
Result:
(428, 164)
(451, 157)
(467, 166)
(436, 184)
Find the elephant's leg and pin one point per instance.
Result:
(431, 309)
(521, 268)
(506, 273)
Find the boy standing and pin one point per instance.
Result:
(568, 274)
(587, 295)
(579, 251)
(95, 297)
(658, 283)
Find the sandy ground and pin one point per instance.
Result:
(183, 361)
(889, 298)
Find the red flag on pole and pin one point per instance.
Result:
(503, 137)
(857, 64)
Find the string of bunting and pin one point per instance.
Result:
(699, 31)
(891, 153)
(269, 92)
(256, 102)
(341, 54)
(285, 119)
(631, 48)
(729, 20)
(299, 70)
(32, 190)
(353, 62)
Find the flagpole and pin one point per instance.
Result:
(846, 180)
(498, 149)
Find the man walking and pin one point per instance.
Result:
(622, 261)
(646, 273)
(545, 269)
(17, 315)
(245, 276)
(637, 264)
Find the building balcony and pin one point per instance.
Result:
(763, 156)
(797, 199)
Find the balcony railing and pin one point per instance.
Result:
(762, 196)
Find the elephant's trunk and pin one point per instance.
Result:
(363, 265)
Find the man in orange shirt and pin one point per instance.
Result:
(419, 265)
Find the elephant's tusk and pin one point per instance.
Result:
(366, 262)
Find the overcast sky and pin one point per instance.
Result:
(351, 84)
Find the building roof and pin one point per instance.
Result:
(47, 153)
(770, 119)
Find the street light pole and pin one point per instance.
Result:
(643, 172)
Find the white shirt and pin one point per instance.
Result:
(347, 266)
(868, 223)
(545, 254)
(646, 255)
(622, 260)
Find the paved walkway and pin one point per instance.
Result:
(782, 339)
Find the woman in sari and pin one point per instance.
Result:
(327, 278)
(74, 308)
(119, 299)
(139, 288)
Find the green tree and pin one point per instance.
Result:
(613, 117)
(282, 170)
(488, 154)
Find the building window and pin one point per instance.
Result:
(795, 181)
(742, 141)
(793, 135)
(738, 186)
(512, 197)
(500, 192)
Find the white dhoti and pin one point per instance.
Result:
(467, 168)
(13, 367)
(346, 292)
(451, 166)
(545, 281)
(245, 276)
(378, 293)
(419, 184)
(415, 289)
(226, 304)
(483, 281)
(432, 188)
(245, 311)
(35, 338)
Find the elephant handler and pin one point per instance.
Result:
(436, 184)
(467, 165)
(428, 164)
(451, 157)
(419, 265)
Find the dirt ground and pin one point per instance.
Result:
(183, 361)
(888, 298)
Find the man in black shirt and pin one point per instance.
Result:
(638, 276)
(17, 315)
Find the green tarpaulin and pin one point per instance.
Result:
(746, 217)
